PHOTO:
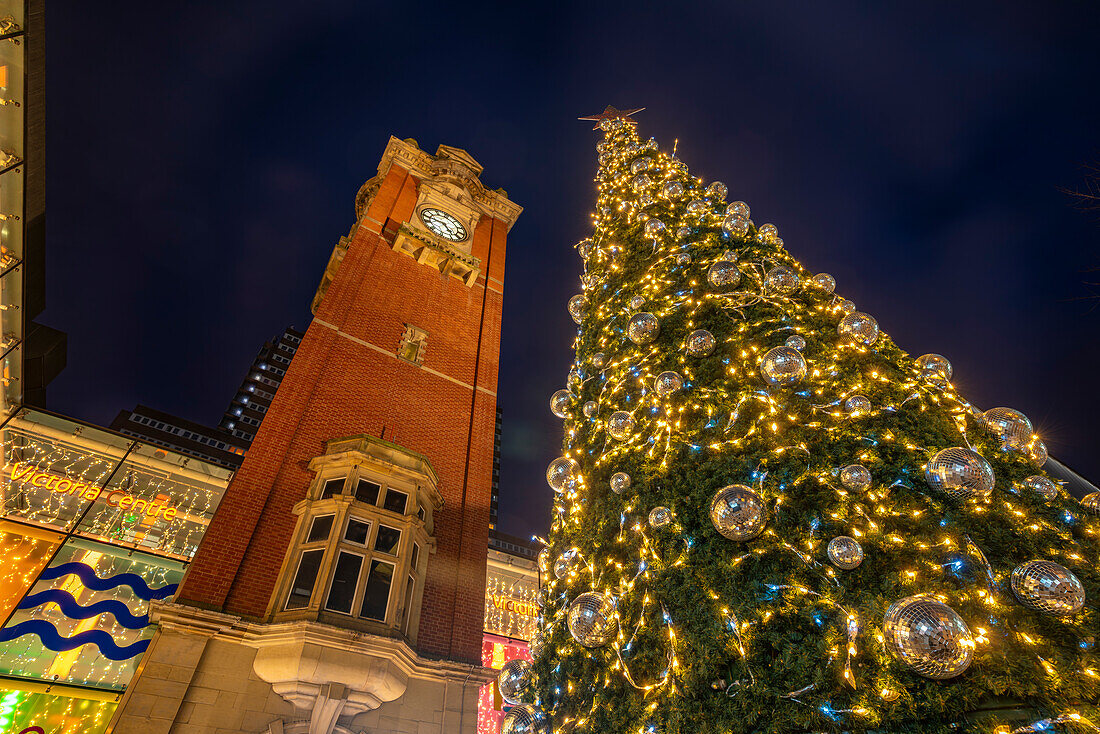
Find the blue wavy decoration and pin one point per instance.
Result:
(72, 609)
(54, 641)
(87, 575)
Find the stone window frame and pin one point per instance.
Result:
(413, 336)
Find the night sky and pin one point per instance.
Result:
(203, 159)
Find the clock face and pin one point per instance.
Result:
(443, 224)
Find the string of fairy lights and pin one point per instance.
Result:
(764, 505)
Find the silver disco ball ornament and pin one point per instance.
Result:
(1011, 426)
(620, 482)
(845, 553)
(584, 248)
(654, 228)
(667, 383)
(659, 517)
(780, 281)
(620, 424)
(559, 403)
(1037, 452)
(590, 409)
(641, 164)
(737, 512)
(782, 366)
(859, 327)
(1041, 486)
(672, 190)
(723, 274)
(857, 405)
(643, 328)
(700, 343)
(1048, 587)
(960, 473)
(513, 680)
(576, 308)
(697, 208)
(738, 209)
(683, 233)
(824, 281)
(599, 360)
(844, 306)
(928, 637)
(735, 225)
(566, 562)
(855, 477)
(932, 365)
(683, 258)
(591, 619)
(717, 190)
(562, 473)
(1091, 502)
(636, 302)
(767, 233)
(525, 719)
(795, 341)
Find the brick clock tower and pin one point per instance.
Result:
(340, 586)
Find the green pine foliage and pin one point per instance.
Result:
(717, 635)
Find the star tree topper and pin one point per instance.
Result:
(610, 113)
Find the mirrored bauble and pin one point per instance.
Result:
(646, 200)
(780, 281)
(641, 181)
(737, 512)
(845, 553)
(824, 281)
(641, 164)
(576, 308)
(794, 341)
(738, 209)
(1011, 426)
(651, 144)
(697, 208)
(631, 149)
(767, 233)
(843, 306)
(1091, 501)
(566, 562)
(700, 343)
(620, 424)
(857, 405)
(932, 365)
(672, 190)
(603, 159)
(859, 327)
(562, 473)
(734, 225)
(599, 360)
(584, 248)
(1048, 587)
(723, 274)
(683, 258)
(590, 409)
(961, 473)
(559, 403)
(667, 383)
(727, 256)
(643, 328)
(525, 719)
(1041, 486)
(654, 228)
(683, 233)
(574, 374)
(1037, 452)
(513, 679)
(717, 190)
(620, 482)
(592, 619)
(636, 302)
(855, 477)
(660, 517)
(782, 366)
(928, 637)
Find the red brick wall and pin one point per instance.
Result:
(336, 387)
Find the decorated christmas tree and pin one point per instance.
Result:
(770, 518)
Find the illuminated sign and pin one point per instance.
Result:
(28, 474)
(517, 606)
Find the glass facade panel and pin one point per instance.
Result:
(302, 588)
(53, 714)
(376, 599)
(345, 578)
(23, 557)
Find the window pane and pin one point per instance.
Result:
(344, 580)
(357, 531)
(302, 588)
(415, 555)
(388, 540)
(396, 501)
(320, 528)
(366, 491)
(410, 586)
(332, 486)
(377, 597)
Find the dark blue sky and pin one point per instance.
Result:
(203, 159)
